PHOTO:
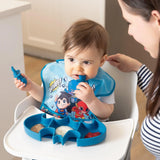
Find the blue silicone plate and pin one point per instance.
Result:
(84, 132)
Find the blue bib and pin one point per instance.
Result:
(58, 96)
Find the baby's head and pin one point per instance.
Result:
(84, 34)
(85, 47)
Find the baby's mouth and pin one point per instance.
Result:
(75, 76)
(80, 77)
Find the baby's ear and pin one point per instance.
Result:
(103, 59)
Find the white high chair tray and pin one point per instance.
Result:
(19, 144)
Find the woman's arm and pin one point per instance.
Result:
(144, 77)
(128, 64)
(124, 63)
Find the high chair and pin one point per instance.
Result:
(125, 96)
(120, 129)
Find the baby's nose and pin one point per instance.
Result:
(78, 67)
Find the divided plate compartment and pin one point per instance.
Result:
(84, 132)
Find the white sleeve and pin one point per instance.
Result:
(108, 99)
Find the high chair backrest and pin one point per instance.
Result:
(125, 94)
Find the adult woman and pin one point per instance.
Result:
(143, 17)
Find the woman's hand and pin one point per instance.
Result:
(124, 63)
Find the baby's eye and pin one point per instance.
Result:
(86, 62)
(71, 59)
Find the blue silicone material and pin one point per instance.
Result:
(73, 83)
(17, 74)
(80, 129)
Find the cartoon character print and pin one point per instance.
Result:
(62, 102)
(65, 102)
(80, 110)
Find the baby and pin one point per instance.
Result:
(85, 48)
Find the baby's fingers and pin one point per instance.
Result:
(19, 84)
(82, 85)
(24, 75)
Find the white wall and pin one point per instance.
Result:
(11, 52)
(45, 24)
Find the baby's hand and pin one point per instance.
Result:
(84, 92)
(22, 86)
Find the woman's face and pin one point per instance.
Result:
(147, 33)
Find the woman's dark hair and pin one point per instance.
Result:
(153, 97)
(144, 8)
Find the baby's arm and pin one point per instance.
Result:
(100, 109)
(31, 87)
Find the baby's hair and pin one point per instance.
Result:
(85, 33)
